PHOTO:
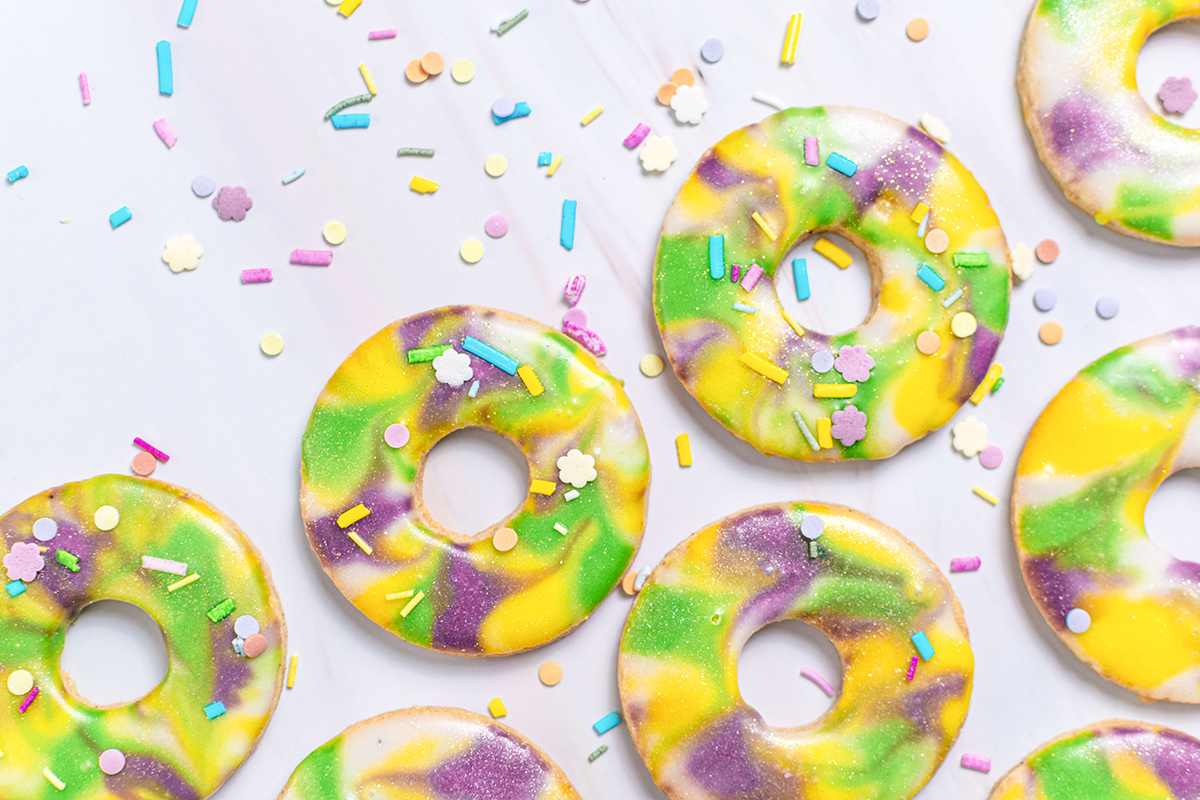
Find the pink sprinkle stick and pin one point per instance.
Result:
(390, 33)
(818, 680)
(912, 668)
(84, 89)
(574, 289)
(165, 133)
(164, 565)
(639, 133)
(966, 564)
(752, 275)
(29, 698)
(812, 153)
(316, 258)
(151, 449)
(734, 272)
(585, 337)
(980, 763)
(256, 276)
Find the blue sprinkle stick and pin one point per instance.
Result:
(800, 276)
(840, 163)
(120, 217)
(931, 278)
(923, 646)
(566, 235)
(166, 79)
(294, 176)
(490, 354)
(607, 722)
(351, 120)
(716, 256)
(186, 13)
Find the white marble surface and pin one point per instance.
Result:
(100, 342)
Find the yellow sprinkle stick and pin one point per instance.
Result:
(684, 446)
(986, 495)
(362, 544)
(824, 433)
(595, 112)
(422, 185)
(404, 612)
(182, 582)
(496, 707)
(353, 515)
(55, 781)
(834, 253)
(347, 8)
(399, 595)
(291, 679)
(554, 166)
(530, 380)
(993, 374)
(839, 390)
(796, 326)
(366, 73)
(919, 212)
(762, 223)
(538, 486)
(763, 367)
(792, 39)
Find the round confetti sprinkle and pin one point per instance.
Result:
(462, 71)
(415, 72)
(246, 626)
(683, 77)
(575, 316)
(963, 324)
(45, 529)
(628, 581)
(496, 226)
(106, 518)
(112, 761)
(812, 526)
(471, 251)
(1047, 251)
(143, 464)
(666, 92)
(495, 166)
(868, 9)
(917, 30)
(822, 361)
(504, 539)
(396, 435)
(504, 107)
(1044, 298)
(1107, 307)
(991, 456)
(203, 185)
(937, 240)
(433, 63)
(272, 344)
(255, 645)
(1078, 620)
(1050, 333)
(712, 51)
(334, 232)
(550, 673)
(651, 365)
(20, 682)
(928, 342)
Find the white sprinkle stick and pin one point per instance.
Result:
(768, 100)
(163, 565)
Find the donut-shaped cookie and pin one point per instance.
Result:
(428, 754)
(118, 537)
(575, 535)
(883, 185)
(1094, 457)
(1113, 157)
(1114, 759)
(860, 583)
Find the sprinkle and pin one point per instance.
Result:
(817, 679)
(143, 464)
(525, 372)
(550, 673)
(912, 667)
(415, 151)
(989, 380)
(1078, 620)
(643, 575)
(917, 29)
(349, 101)
(790, 320)
(812, 151)
(462, 71)
(293, 176)
(291, 676)
(353, 515)
(316, 258)
(44, 529)
(214, 710)
(595, 112)
(366, 74)
(683, 446)
(544, 158)
(554, 165)
(607, 723)
(599, 751)
(763, 367)
(508, 24)
(808, 436)
(68, 560)
(923, 228)
(767, 99)
(931, 278)
(1177, 95)
(504, 539)
(566, 235)
(55, 781)
(639, 133)
(716, 256)
(348, 7)
(791, 39)
(1107, 307)
(921, 641)
(937, 240)
(221, 610)
(120, 217)
(362, 544)
(154, 451)
(491, 355)
(351, 121)
(745, 309)
(111, 761)
(822, 361)
(919, 212)
(814, 550)
(751, 278)
(165, 133)
(1050, 333)
(29, 698)
(84, 89)
(963, 324)
(474, 389)
(952, 299)
(825, 433)
(256, 275)
(867, 9)
(573, 290)
(991, 456)
(166, 81)
(800, 276)
(838, 390)
(978, 763)
(935, 127)
(1045, 298)
(389, 33)
(839, 163)
(571, 495)
(421, 355)
(21, 172)
(762, 223)
(14, 588)
(496, 226)
(163, 565)
(495, 165)
(519, 110)
(999, 383)
(20, 682)
(971, 259)
(182, 583)
(417, 598)
(965, 564)
(834, 253)
(1047, 251)
(558, 526)
(986, 495)
(539, 486)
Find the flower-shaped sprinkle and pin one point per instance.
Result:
(24, 562)
(854, 363)
(849, 425)
(658, 153)
(970, 436)
(689, 104)
(232, 202)
(577, 469)
(1022, 261)
(1177, 95)
(452, 367)
(182, 253)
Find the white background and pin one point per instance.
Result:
(100, 342)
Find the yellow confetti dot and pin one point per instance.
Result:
(471, 251)
(20, 682)
(462, 71)
(334, 232)
(272, 344)
(496, 166)
(106, 518)
(963, 324)
(651, 365)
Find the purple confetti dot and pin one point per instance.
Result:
(991, 456)
(712, 51)
(868, 9)
(1107, 307)
(203, 185)
(812, 526)
(496, 226)
(504, 107)
(396, 435)
(575, 316)
(1045, 298)
(822, 361)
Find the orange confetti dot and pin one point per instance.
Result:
(550, 673)
(627, 582)
(1050, 333)
(666, 92)
(415, 72)
(504, 539)
(432, 63)
(928, 342)
(1047, 251)
(254, 645)
(143, 464)
(683, 77)
(918, 29)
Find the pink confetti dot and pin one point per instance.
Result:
(112, 762)
(575, 316)
(992, 456)
(396, 435)
(496, 226)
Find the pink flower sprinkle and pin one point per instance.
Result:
(232, 203)
(849, 425)
(854, 363)
(1177, 95)
(24, 562)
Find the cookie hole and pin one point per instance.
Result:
(1170, 52)
(1172, 512)
(473, 480)
(769, 673)
(840, 299)
(113, 655)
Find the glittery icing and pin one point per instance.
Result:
(479, 601)
(1114, 157)
(761, 169)
(1094, 457)
(867, 588)
(173, 751)
(428, 754)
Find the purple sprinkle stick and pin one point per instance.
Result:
(152, 450)
(256, 276)
(165, 133)
(735, 272)
(390, 33)
(965, 564)
(812, 152)
(818, 680)
(29, 698)
(316, 258)
(752, 275)
(574, 289)
(639, 133)
(912, 668)
(980, 763)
